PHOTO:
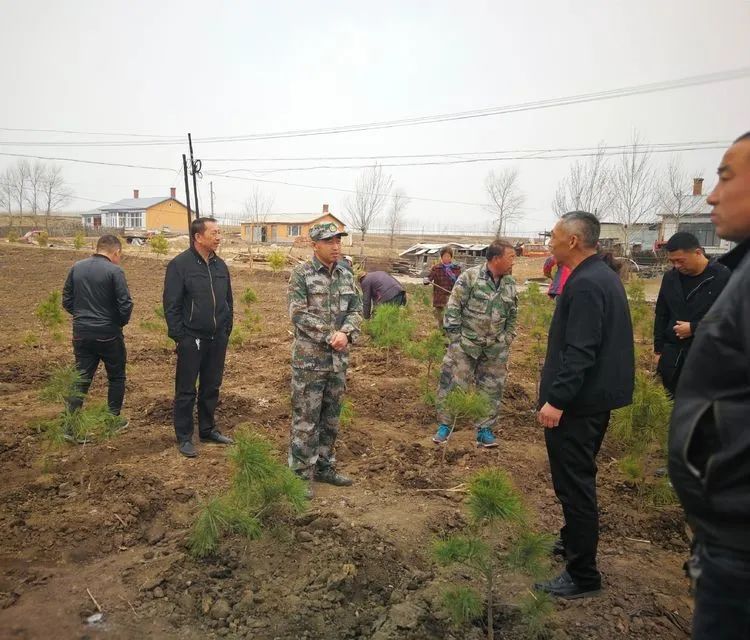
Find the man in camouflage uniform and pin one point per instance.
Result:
(326, 310)
(480, 320)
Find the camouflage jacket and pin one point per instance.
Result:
(481, 315)
(321, 303)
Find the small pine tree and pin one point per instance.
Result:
(430, 350)
(261, 489)
(43, 239)
(12, 235)
(347, 413)
(237, 338)
(646, 420)
(462, 405)
(496, 512)
(249, 296)
(276, 260)
(79, 241)
(390, 327)
(159, 244)
(50, 312)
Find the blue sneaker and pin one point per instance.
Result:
(442, 434)
(485, 438)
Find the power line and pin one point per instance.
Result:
(476, 160)
(88, 133)
(633, 90)
(460, 154)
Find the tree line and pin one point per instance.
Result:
(33, 188)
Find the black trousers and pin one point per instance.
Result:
(399, 299)
(572, 447)
(89, 351)
(201, 360)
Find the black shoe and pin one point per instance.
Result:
(187, 449)
(564, 587)
(216, 437)
(558, 548)
(329, 476)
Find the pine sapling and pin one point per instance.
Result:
(462, 405)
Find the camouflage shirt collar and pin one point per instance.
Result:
(319, 266)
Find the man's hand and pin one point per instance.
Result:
(548, 416)
(339, 341)
(683, 329)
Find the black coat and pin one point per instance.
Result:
(197, 297)
(590, 362)
(709, 435)
(672, 305)
(96, 295)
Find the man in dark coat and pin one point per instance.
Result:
(686, 294)
(589, 370)
(709, 436)
(97, 296)
(198, 308)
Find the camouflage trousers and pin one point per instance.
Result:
(487, 373)
(316, 404)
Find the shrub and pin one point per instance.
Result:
(12, 235)
(43, 239)
(159, 244)
(79, 241)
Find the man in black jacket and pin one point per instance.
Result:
(198, 307)
(96, 295)
(588, 371)
(686, 294)
(709, 436)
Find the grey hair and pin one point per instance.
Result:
(585, 225)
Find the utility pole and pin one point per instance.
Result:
(195, 168)
(211, 184)
(187, 193)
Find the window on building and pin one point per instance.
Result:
(704, 231)
(134, 219)
(293, 230)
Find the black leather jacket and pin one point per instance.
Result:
(709, 436)
(96, 295)
(197, 297)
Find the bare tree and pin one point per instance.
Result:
(587, 186)
(505, 197)
(6, 193)
(257, 207)
(635, 188)
(395, 219)
(35, 185)
(674, 197)
(371, 192)
(19, 184)
(54, 193)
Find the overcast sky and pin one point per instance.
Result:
(165, 68)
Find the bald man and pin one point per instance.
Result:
(709, 437)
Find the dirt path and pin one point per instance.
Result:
(112, 518)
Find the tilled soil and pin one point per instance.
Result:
(104, 525)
